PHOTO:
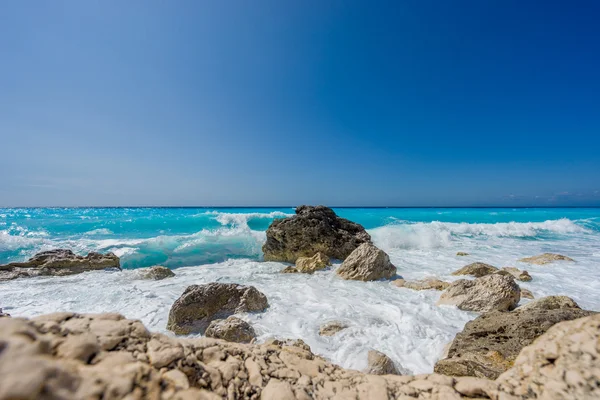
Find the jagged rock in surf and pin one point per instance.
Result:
(367, 263)
(545, 258)
(312, 230)
(462, 254)
(526, 294)
(488, 293)
(157, 273)
(194, 310)
(58, 262)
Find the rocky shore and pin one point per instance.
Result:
(548, 348)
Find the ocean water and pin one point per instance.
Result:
(224, 245)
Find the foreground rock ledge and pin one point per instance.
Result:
(58, 262)
(312, 230)
(70, 356)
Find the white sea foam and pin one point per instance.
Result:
(101, 231)
(241, 219)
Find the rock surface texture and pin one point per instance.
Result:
(367, 263)
(551, 303)
(201, 304)
(232, 329)
(58, 263)
(488, 293)
(489, 344)
(425, 284)
(157, 273)
(380, 364)
(312, 230)
(516, 273)
(104, 356)
(477, 270)
(545, 258)
(331, 328)
(309, 265)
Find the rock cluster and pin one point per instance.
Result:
(201, 304)
(367, 263)
(545, 258)
(58, 263)
(488, 293)
(312, 230)
(489, 344)
(425, 284)
(71, 356)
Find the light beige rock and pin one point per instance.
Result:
(550, 303)
(309, 265)
(367, 263)
(477, 269)
(425, 284)
(545, 258)
(515, 273)
(232, 329)
(331, 328)
(380, 364)
(488, 293)
(157, 273)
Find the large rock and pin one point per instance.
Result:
(488, 293)
(545, 258)
(562, 364)
(58, 263)
(312, 230)
(232, 329)
(156, 273)
(489, 344)
(309, 265)
(477, 269)
(201, 304)
(380, 364)
(367, 263)
(425, 284)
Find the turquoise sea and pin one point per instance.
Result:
(224, 244)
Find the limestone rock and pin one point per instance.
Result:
(156, 273)
(201, 304)
(380, 364)
(308, 265)
(312, 230)
(58, 263)
(488, 293)
(550, 303)
(232, 329)
(526, 294)
(367, 263)
(425, 284)
(477, 270)
(462, 254)
(545, 258)
(515, 273)
(489, 344)
(331, 328)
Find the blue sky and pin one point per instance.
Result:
(279, 103)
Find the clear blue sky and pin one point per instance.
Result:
(280, 102)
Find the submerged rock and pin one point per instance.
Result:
(425, 284)
(157, 273)
(515, 273)
(489, 344)
(462, 254)
(550, 303)
(477, 270)
(308, 265)
(201, 304)
(312, 230)
(331, 328)
(232, 329)
(545, 258)
(367, 263)
(380, 364)
(58, 262)
(488, 293)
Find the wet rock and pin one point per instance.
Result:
(58, 263)
(308, 265)
(550, 303)
(488, 293)
(201, 304)
(331, 328)
(425, 284)
(312, 230)
(489, 344)
(545, 258)
(156, 273)
(462, 254)
(564, 363)
(367, 263)
(526, 294)
(380, 364)
(477, 270)
(232, 329)
(515, 273)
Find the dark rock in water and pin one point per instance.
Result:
(58, 263)
(232, 329)
(313, 230)
(201, 304)
(488, 293)
(462, 254)
(489, 344)
(367, 263)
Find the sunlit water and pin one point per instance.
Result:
(224, 245)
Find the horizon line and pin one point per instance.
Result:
(294, 206)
